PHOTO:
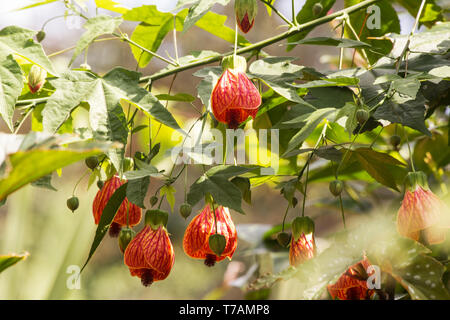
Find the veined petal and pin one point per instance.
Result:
(158, 253)
(303, 249)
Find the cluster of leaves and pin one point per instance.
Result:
(305, 105)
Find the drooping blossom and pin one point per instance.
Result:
(303, 245)
(246, 11)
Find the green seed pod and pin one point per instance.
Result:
(91, 162)
(317, 8)
(185, 210)
(40, 36)
(73, 203)
(336, 187)
(125, 237)
(100, 184)
(217, 243)
(362, 116)
(395, 140)
(283, 239)
(153, 200)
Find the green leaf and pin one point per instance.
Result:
(44, 182)
(334, 42)
(177, 97)
(145, 170)
(198, 10)
(11, 84)
(431, 12)
(306, 14)
(389, 23)
(169, 192)
(16, 40)
(279, 74)
(95, 27)
(382, 167)
(311, 121)
(9, 260)
(137, 190)
(150, 32)
(406, 86)
(205, 87)
(40, 3)
(23, 167)
(107, 217)
(111, 6)
(329, 82)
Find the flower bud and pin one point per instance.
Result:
(73, 203)
(91, 162)
(100, 184)
(36, 78)
(125, 237)
(302, 225)
(317, 8)
(40, 36)
(217, 243)
(156, 218)
(283, 239)
(362, 116)
(336, 187)
(246, 11)
(185, 210)
(153, 200)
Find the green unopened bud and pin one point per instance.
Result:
(294, 202)
(237, 63)
(36, 78)
(414, 179)
(91, 162)
(153, 200)
(156, 218)
(125, 237)
(395, 140)
(246, 11)
(40, 36)
(283, 239)
(317, 8)
(336, 187)
(302, 225)
(100, 184)
(217, 243)
(185, 210)
(73, 203)
(362, 116)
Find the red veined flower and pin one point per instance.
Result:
(352, 285)
(150, 254)
(245, 14)
(422, 215)
(234, 97)
(303, 245)
(202, 227)
(101, 199)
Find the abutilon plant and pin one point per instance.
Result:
(352, 285)
(128, 214)
(234, 97)
(246, 11)
(303, 245)
(422, 215)
(36, 78)
(150, 254)
(207, 223)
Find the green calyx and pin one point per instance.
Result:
(283, 239)
(125, 237)
(237, 63)
(185, 210)
(217, 243)
(414, 179)
(302, 225)
(73, 203)
(156, 218)
(128, 164)
(336, 187)
(242, 7)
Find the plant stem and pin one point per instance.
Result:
(341, 53)
(347, 21)
(306, 186)
(269, 4)
(409, 150)
(285, 215)
(342, 210)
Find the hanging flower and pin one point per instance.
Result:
(36, 78)
(422, 215)
(197, 243)
(303, 245)
(101, 199)
(246, 11)
(234, 97)
(150, 254)
(352, 285)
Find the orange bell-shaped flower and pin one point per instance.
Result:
(303, 245)
(150, 254)
(352, 285)
(234, 97)
(101, 199)
(196, 238)
(422, 215)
